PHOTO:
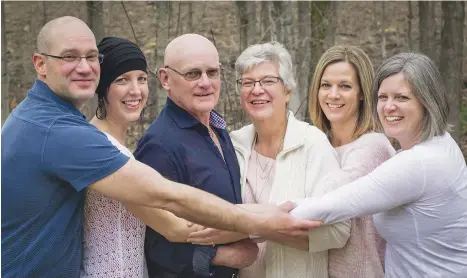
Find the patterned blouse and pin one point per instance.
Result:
(113, 237)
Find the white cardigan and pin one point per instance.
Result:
(301, 172)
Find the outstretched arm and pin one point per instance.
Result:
(173, 228)
(209, 236)
(398, 181)
(136, 183)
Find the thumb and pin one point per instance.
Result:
(287, 206)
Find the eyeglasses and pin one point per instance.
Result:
(76, 59)
(264, 82)
(196, 74)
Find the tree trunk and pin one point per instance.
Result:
(242, 15)
(409, 25)
(254, 31)
(383, 31)
(190, 17)
(332, 25)
(452, 43)
(95, 14)
(177, 32)
(5, 89)
(264, 24)
(319, 12)
(272, 16)
(280, 16)
(298, 101)
(427, 26)
(158, 95)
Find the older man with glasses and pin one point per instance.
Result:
(189, 143)
(51, 155)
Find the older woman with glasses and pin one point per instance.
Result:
(419, 196)
(280, 158)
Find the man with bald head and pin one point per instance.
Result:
(188, 143)
(51, 155)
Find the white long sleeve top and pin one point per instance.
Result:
(306, 159)
(420, 200)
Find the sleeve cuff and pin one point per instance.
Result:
(202, 258)
(329, 236)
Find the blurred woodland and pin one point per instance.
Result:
(382, 29)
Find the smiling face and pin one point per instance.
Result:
(127, 96)
(399, 111)
(339, 93)
(73, 81)
(198, 97)
(267, 101)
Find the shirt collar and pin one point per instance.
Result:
(186, 120)
(41, 90)
(295, 135)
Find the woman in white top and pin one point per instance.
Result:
(113, 237)
(419, 197)
(280, 158)
(341, 106)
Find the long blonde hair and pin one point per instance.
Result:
(365, 75)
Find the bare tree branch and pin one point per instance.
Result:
(131, 25)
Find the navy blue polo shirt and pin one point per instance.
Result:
(179, 147)
(50, 154)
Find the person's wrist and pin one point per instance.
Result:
(223, 256)
(256, 225)
(245, 221)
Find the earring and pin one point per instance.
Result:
(141, 115)
(100, 110)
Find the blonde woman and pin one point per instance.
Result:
(419, 196)
(280, 158)
(341, 106)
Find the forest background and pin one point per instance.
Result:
(307, 29)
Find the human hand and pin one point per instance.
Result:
(271, 221)
(195, 227)
(211, 236)
(236, 255)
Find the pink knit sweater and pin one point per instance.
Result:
(363, 255)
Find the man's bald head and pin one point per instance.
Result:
(56, 28)
(75, 80)
(187, 46)
(191, 75)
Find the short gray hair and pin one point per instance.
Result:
(427, 86)
(271, 51)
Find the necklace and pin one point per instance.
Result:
(264, 169)
(261, 184)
